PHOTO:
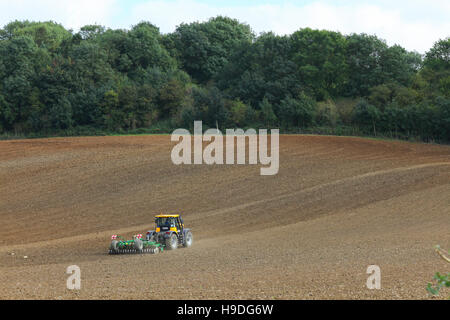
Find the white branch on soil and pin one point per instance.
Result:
(442, 254)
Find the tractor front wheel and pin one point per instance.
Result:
(172, 242)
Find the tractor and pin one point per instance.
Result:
(170, 232)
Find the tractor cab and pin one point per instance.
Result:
(169, 223)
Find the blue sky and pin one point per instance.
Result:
(414, 24)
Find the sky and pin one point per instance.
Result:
(413, 24)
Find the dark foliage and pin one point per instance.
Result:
(101, 80)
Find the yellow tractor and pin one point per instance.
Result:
(170, 232)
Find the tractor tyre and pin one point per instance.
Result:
(139, 245)
(172, 242)
(188, 240)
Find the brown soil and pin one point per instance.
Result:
(337, 206)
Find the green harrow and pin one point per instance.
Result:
(121, 246)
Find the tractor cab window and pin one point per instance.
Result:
(165, 222)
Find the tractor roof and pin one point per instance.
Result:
(168, 216)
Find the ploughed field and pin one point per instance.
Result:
(336, 206)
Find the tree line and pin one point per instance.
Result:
(101, 80)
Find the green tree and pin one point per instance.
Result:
(268, 115)
(6, 115)
(48, 35)
(118, 47)
(145, 49)
(61, 114)
(171, 97)
(398, 65)
(209, 106)
(327, 114)
(381, 96)
(90, 32)
(321, 60)
(89, 65)
(114, 116)
(436, 71)
(443, 118)
(238, 113)
(205, 48)
(262, 69)
(366, 115)
(297, 112)
(20, 63)
(364, 54)
(146, 110)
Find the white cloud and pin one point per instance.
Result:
(71, 13)
(411, 24)
(414, 24)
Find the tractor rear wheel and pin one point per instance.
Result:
(188, 240)
(172, 242)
